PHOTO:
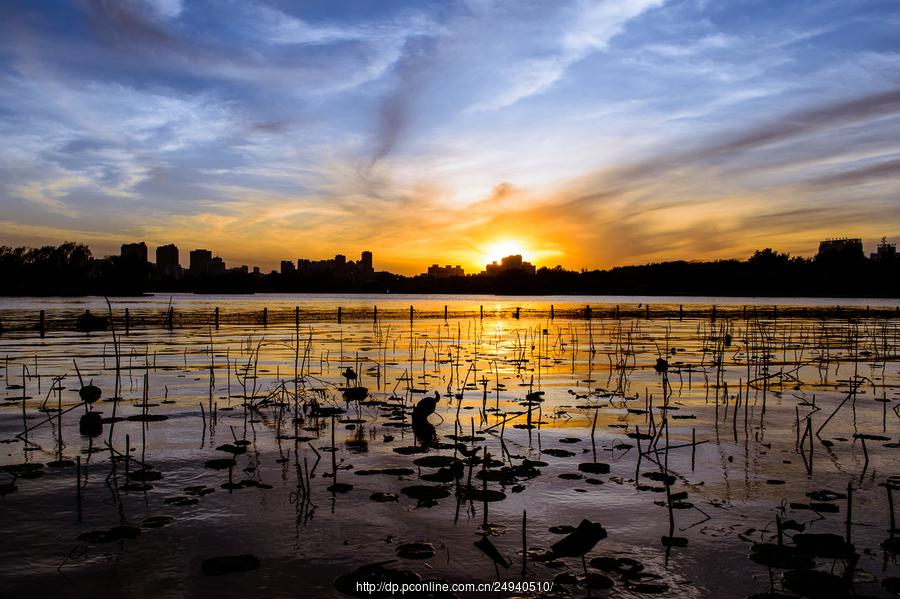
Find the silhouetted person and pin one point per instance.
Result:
(425, 407)
(424, 431)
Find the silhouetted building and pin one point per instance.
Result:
(167, 260)
(338, 267)
(216, 266)
(200, 260)
(842, 249)
(885, 252)
(134, 251)
(256, 270)
(242, 269)
(509, 263)
(443, 272)
(287, 267)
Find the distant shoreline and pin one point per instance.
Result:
(70, 270)
(561, 294)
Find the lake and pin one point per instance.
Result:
(697, 431)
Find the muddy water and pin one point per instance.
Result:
(728, 416)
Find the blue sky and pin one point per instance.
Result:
(586, 134)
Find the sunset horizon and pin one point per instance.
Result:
(363, 299)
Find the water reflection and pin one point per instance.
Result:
(692, 441)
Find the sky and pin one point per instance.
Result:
(586, 134)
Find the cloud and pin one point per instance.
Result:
(264, 130)
(880, 171)
(590, 28)
(131, 23)
(396, 107)
(50, 194)
(790, 127)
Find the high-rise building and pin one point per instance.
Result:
(216, 266)
(200, 260)
(366, 262)
(885, 252)
(509, 263)
(134, 251)
(287, 267)
(338, 267)
(842, 249)
(167, 262)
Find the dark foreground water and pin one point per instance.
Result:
(693, 441)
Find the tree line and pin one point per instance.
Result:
(70, 269)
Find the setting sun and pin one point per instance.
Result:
(502, 248)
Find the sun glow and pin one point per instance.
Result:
(502, 248)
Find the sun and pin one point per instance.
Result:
(496, 250)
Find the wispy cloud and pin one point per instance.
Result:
(589, 28)
(595, 133)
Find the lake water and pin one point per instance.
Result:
(719, 432)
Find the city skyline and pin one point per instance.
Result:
(586, 134)
(168, 257)
(839, 266)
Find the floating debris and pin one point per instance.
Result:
(417, 550)
(145, 475)
(558, 453)
(232, 449)
(436, 461)
(425, 492)
(782, 557)
(825, 495)
(90, 393)
(116, 533)
(355, 393)
(579, 541)
(562, 529)
(181, 501)
(824, 545)
(594, 468)
(387, 471)
(817, 584)
(384, 497)
(340, 488)
(157, 521)
(645, 583)
(598, 582)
